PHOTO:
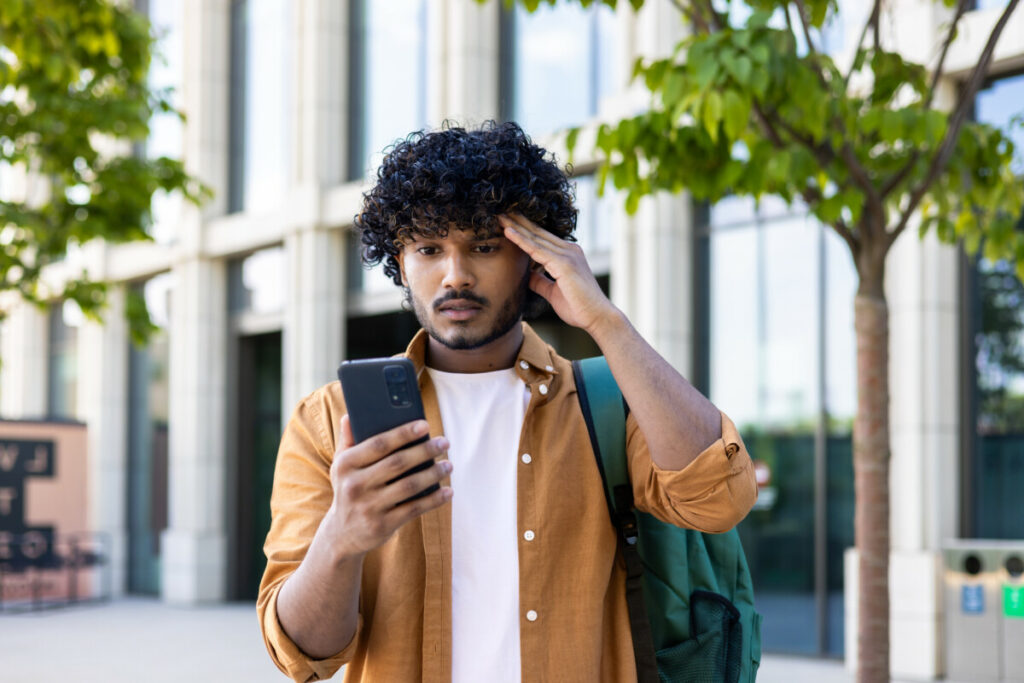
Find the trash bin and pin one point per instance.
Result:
(973, 605)
(1011, 574)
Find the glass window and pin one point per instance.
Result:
(62, 361)
(594, 223)
(389, 78)
(778, 306)
(262, 97)
(165, 129)
(996, 320)
(563, 60)
(148, 405)
(257, 282)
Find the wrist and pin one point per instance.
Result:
(330, 541)
(610, 324)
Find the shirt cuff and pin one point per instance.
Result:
(714, 492)
(289, 658)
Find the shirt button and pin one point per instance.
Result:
(529, 535)
(524, 365)
(531, 616)
(549, 368)
(543, 389)
(526, 458)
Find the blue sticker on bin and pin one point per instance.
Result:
(972, 599)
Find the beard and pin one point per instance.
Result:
(508, 316)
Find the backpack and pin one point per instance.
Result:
(690, 595)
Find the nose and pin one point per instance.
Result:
(457, 274)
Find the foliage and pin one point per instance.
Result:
(754, 108)
(73, 87)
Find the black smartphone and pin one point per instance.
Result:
(381, 394)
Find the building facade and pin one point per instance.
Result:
(260, 294)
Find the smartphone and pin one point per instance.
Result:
(381, 394)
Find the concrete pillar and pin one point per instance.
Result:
(321, 79)
(660, 277)
(195, 561)
(195, 548)
(314, 339)
(464, 52)
(24, 338)
(103, 405)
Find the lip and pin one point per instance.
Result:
(459, 309)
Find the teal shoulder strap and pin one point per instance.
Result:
(605, 414)
(602, 403)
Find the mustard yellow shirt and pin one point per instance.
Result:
(571, 581)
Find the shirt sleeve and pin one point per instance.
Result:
(712, 494)
(301, 496)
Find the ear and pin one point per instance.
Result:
(401, 268)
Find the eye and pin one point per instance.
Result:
(486, 248)
(426, 251)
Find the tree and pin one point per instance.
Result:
(752, 107)
(73, 86)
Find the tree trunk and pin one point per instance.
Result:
(871, 475)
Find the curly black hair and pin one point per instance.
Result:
(453, 177)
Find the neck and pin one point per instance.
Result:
(496, 355)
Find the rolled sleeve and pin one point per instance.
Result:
(711, 494)
(288, 657)
(301, 496)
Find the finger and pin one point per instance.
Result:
(408, 486)
(543, 285)
(376, 447)
(346, 439)
(406, 512)
(391, 467)
(521, 223)
(528, 243)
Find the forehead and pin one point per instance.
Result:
(454, 235)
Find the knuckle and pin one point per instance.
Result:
(350, 488)
(379, 444)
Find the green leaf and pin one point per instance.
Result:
(711, 114)
(736, 113)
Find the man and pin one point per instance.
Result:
(517, 578)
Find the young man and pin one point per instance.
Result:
(509, 571)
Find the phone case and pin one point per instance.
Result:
(377, 400)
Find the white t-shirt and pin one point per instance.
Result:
(483, 419)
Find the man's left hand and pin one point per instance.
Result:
(571, 290)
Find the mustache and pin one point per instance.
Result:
(465, 294)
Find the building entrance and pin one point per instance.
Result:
(258, 434)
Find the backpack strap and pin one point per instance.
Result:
(604, 410)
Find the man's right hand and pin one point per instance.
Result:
(365, 511)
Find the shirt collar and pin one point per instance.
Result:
(534, 352)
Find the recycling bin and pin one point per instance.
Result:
(973, 606)
(1011, 578)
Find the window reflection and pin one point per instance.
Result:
(770, 269)
(997, 328)
(257, 283)
(389, 77)
(165, 129)
(261, 101)
(62, 361)
(148, 410)
(564, 61)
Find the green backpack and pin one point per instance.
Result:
(690, 596)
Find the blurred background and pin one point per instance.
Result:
(159, 458)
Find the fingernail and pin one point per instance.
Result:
(447, 494)
(446, 466)
(441, 443)
(422, 427)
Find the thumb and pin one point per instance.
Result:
(346, 440)
(542, 284)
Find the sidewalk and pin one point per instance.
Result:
(137, 639)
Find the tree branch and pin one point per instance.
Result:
(961, 7)
(876, 23)
(801, 10)
(956, 122)
(695, 18)
(860, 43)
